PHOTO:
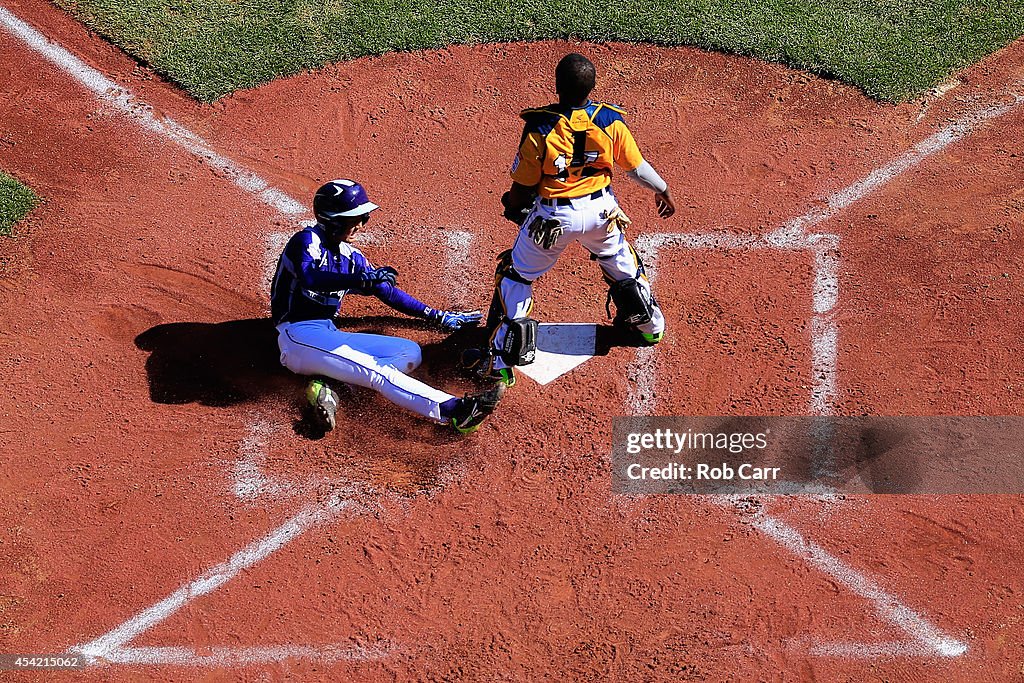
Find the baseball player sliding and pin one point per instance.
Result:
(315, 271)
(561, 194)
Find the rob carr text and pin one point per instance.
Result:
(675, 471)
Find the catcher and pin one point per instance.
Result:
(317, 269)
(560, 194)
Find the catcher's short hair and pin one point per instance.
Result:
(575, 76)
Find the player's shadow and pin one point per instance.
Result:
(230, 362)
(237, 361)
(215, 364)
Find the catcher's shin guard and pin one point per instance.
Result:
(512, 334)
(636, 309)
(634, 305)
(497, 312)
(480, 364)
(519, 347)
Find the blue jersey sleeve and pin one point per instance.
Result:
(313, 271)
(401, 301)
(305, 252)
(394, 297)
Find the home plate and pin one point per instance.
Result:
(560, 348)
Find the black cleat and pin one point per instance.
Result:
(472, 409)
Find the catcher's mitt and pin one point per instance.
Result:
(515, 214)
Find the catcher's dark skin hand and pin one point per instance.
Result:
(663, 200)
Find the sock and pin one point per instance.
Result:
(448, 408)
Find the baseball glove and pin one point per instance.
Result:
(515, 214)
(452, 321)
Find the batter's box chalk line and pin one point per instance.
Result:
(112, 647)
(221, 657)
(642, 397)
(925, 639)
(793, 235)
(248, 479)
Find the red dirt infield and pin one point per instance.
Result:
(138, 377)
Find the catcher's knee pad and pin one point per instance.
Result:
(633, 304)
(520, 345)
(506, 269)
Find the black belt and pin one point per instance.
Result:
(566, 201)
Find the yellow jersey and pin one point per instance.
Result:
(570, 151)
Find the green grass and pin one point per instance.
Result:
(893, 49)
(16, 201)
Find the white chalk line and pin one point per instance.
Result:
(887, 605)
(122, 100)
(889, 650)
(108, 645)
(249, 480)
(794, 234)
(642, 398)
(134, 109)
(219, 657)
(955, 131)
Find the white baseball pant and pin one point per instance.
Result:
(317, 347)
(583, 220)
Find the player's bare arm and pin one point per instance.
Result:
(561, 194)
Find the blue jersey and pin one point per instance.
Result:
(313, 277)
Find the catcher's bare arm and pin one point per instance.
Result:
(646, 176)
